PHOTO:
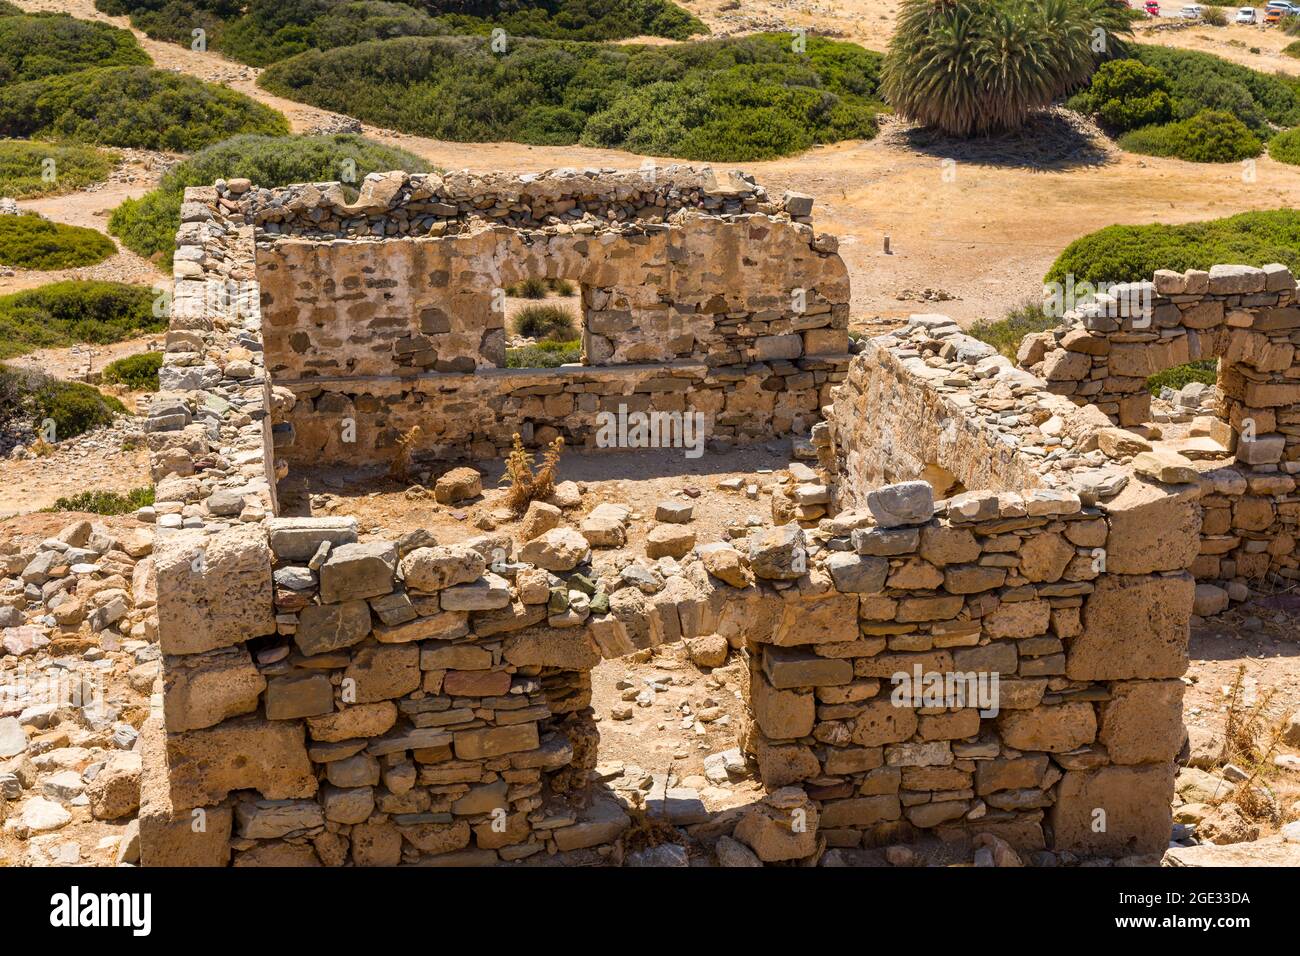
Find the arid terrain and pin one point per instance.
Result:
(987, 224)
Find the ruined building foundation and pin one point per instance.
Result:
(330, 700)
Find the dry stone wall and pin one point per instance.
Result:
(330, 700)
(1245, 462)
(690, 287)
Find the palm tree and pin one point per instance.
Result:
(973, 67)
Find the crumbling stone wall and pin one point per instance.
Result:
(344, 702)
(696, 294)
(1249, 320)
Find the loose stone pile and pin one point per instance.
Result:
(78, 659)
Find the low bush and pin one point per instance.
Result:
(1127, 94)
(30, 242)
(1180, 375)
(261, 32)
(139, 372)
(72, 312)
(1211, 136)
(35, 46)
(106, 502)
(30, 399)
(132, 106)
(1202, 81)
(728, 100)
(1132, 253)
(1285, 147)
(30, 169)
(545, 322)
(1292, 49)
(545, 354)
(1214, 16)
(529, 289)
(147, 226)
(1005, 334)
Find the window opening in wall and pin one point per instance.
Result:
(543, 323)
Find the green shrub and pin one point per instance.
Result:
(147, 226)
(1211, 136)
(973, 67)
(262, 32)
(1005, 334)
(724, 100)
(1285, 147)
(1292, 49)
(133, 106)
(139, 372)
(545, 322)
(106, 502)
(545, 355)
(1215, 16)
(1127, 94)
(529, 289)
(1202, 81)
(72, 312)
(1205, 371)
(8, 9)
(561, 287)
(30, 242)
(42, 45)
(28, 399)
(23, 166)
(1133, 253)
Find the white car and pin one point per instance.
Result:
(1245, 15)
(1191, 11)
(1287, 9)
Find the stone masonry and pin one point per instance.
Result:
(328, 699)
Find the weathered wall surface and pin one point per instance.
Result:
(704, 289)
(328, 700)
(1249, 320)
(739, 305)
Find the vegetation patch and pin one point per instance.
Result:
(28, 400)
(147, 226)
(139, 372)
(40, 45)
(1005, 334)
(1211, 136)
(1134, 253)
(30, 169)
(132, 106)
(1205, 372)
(1285, 147)
(728, 100)
(974, 67)
(545, 322)
(1191, 105)
(105, 502)
(73, 312)
(262, 32)
(30, 242)
(545, 354)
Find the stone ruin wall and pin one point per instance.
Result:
(1245, 489)
(332, 701)
(697, 295)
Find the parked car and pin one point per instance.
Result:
(1245, 15)
(1272, 16)
(1152, 8)
(1282, 9)
(1192, 11)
